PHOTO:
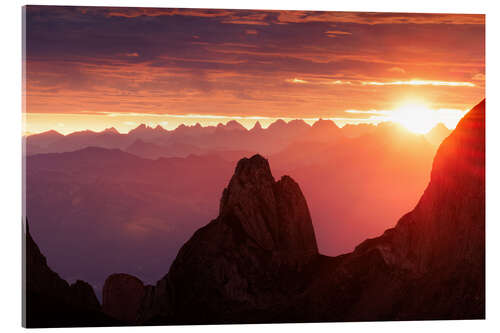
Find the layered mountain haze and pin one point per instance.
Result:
(258, 260)
(153, 193)
(356, 186)
(198, 139)
(118, 212)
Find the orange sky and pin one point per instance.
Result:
(96, 67)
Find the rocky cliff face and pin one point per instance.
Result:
(50, 301)
(274, 215)
(258, 260)
(441, 243)
(448, 221)
(431, 265)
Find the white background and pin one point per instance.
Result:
(10, 157)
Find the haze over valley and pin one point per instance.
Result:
(131, 196)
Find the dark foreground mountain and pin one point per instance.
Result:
(51, 301)
(258, 260)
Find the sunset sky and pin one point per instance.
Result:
(92, 67)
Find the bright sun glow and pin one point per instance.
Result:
(416, 117)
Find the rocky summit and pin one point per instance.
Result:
(251, 257)
(122, 297)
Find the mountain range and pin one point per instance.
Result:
(140, 203)
(197, 139)
(258, 260)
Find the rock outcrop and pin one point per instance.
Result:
(122, 297)
(274, 215)
(248, 259)
(50, 301)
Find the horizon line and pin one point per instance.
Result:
(357, 121)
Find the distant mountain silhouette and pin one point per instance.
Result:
(39, 143)
(148, 133)
(355, 130)
(232, 125)
(258, 260)
(153, 151)
(109, 138)
(111, 130)
(46, 138)
(437, 134)
(186, 140)
(324, 131)
(257, 127)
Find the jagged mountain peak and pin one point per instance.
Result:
(231, 125)
(110, 130)
(257, 126)
(279, 123)
(325, 123)
(440, 127)
(48, 133)
(253, 170)
(274, 214)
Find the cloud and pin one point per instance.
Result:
(374, 112)
(246, 22)
(391, 83)
(479, 77)
(295, 80)
(379, 18)
(336, 33)
(338, 82)
(421, 83)
(320, 81)
(149, 60)
(154, 12)
(397, 70)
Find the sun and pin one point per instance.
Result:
(415, 117)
